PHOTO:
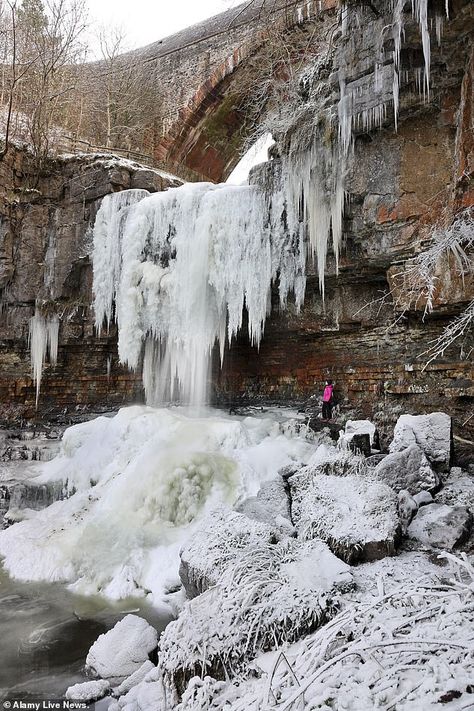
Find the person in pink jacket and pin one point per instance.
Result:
(328, 400)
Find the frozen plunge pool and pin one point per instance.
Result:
(46, 632)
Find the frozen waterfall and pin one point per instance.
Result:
(180, 266)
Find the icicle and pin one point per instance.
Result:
(43, 340)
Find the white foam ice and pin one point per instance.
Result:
(139, 482)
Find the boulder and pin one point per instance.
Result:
(148, 695)
(408, 469)
(269, 595)
(360, 443)
(88, 691)
(271, 505)
(218, 540)
(134, 679)
(354, 428)
(431, 433)
(458, 489)
(121, 651)
(356, 515)
(441, 526)
(407, 508)
(423, 498)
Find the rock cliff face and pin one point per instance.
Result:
(45, 247)
(401, 184)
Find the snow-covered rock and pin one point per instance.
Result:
(148, 695)
(270, 505)
(407, 508)
(458, 489)
(358, 427)
(218, 540)
(423, 498)
(135, 678)
(272, 593)
(121, 651)
(88, 691)
(408, 469)
(431, 433)
(441, 526)
(356, 516)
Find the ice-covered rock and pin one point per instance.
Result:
(135, 678)
(270, 505)
(357, 516)
(407, 508)
(270, 594)
(423, 498)
(441, 526)
(121, 651)
(219, 539)
(408, 469)
(431, 433)
(88, 691)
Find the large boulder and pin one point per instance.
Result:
(360, 435)
(121, 651)
(431, 433)
(88, 691)
(458, 489)
(408, 469)
(219, 539)
(357, 516)
(270, 594)
(441, 526)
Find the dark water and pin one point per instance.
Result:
(46, 632)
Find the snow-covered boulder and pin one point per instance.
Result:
(408, 469)
(441, 526)
(407, 508)
(357, 428)
(271, 594)
(458, 489)
(121, 651)
(219, 539)
(271, 505)
(431, 433)
(134, 679)
(148, 695)
(88, 691)
(357, 516)
(423, 498)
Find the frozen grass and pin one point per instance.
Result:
(271, 594)
(408, 647)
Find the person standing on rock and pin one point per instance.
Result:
(328, 400)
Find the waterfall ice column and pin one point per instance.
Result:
(181, 265)
(43, 339)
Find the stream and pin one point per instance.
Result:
(46, 632)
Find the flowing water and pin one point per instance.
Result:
(46, 632)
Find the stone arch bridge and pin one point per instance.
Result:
(200, 77)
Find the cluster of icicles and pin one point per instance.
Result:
(176, 269)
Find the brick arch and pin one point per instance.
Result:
(204, 138)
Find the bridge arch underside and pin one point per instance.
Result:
(211, 134)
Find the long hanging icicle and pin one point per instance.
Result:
(43, 342)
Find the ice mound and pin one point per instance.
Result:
(139, 483)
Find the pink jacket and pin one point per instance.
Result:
(327, 395)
